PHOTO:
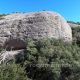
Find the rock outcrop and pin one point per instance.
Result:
(6, 56)
(15, 28)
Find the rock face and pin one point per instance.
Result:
(6, 56)
(15, 28)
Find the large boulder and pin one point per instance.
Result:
(16, 28)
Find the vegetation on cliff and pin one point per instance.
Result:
(76, 34)
(45, 59)
(2, 16)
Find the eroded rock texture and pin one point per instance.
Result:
(15, 28)
(6, 56)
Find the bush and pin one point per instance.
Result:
(49, 59)
(76, 34)
(45, 59)
(12, 72)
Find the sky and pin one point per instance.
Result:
(70, 9)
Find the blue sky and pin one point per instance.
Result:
(70, 9)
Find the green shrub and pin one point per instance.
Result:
(12, 72)
(49, 59)
(45, 59)
(76, 35)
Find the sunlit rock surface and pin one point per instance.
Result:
(15, 28)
